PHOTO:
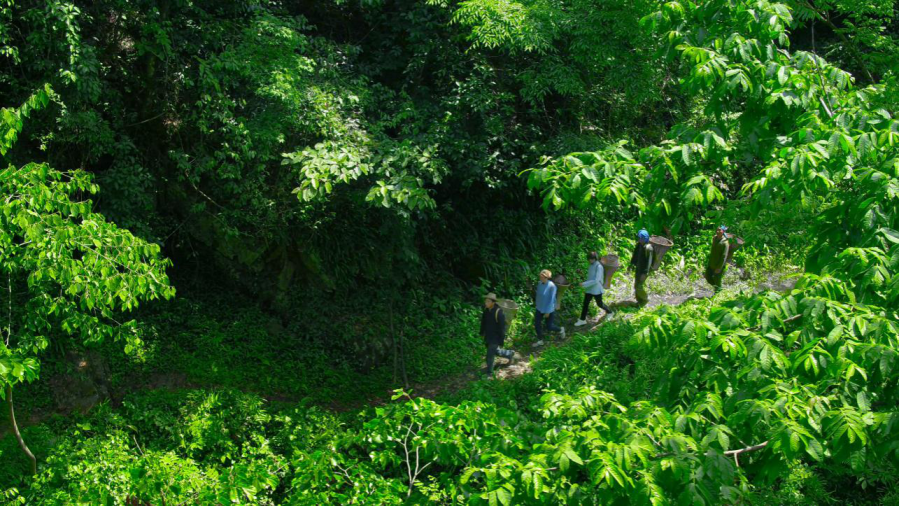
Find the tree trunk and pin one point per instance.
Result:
(393, 341)
(403, 360)
(15, 430)
(399, 350)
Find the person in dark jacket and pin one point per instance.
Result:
(641, 261)
(717, 263)
(493, 329)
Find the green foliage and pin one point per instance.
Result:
(591, 51)
(272, 139)
(374, 149)
(816, 138)
(13, 119)
(339, 353)
(860, 38)
(641, 411)
(101, 459)
(76, 269)
(72, 271)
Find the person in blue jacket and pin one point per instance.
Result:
(546, 307)
(593, 288)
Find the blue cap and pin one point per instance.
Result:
(643, 235)
(723, 228)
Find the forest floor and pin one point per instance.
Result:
(670, 289)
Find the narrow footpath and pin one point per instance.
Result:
(672, 289)
(663, 290)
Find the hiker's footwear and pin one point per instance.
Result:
(609, 316)
(580, 323)
(538, 343)
(562, 333)
(507, 354)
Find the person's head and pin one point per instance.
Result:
(721, 231)
(643, 236)
(545, 275)
(490, 300)
(592, 257)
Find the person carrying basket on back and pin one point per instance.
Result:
(641, 262)
(545, 301)
(717, 263)
(593, 288)
(493, 329)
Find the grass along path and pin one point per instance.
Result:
(672, 287)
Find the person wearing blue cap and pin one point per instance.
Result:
(641, 261)
(717, 264)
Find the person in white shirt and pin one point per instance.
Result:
(593, 289)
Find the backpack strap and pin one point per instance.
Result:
(496, 314)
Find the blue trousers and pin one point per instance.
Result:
(550, 323)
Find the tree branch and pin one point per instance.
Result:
(408, 461)
(746, 450)
(728, 453)
(9, 322)
(852, 47)
(15, 430)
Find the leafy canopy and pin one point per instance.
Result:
(67, 269)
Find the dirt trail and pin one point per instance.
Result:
(672, 289)
(619, 297)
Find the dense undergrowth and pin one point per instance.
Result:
(542, 435)
(338, 353)
(334, 185)
(212, 434)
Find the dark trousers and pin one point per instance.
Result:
(587, 298)
(550, 323)
(714, 278)
(640, 289)
(492, 351)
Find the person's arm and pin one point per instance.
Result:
(501, 319)
(634, 256)
(552, 291)
(600, 274)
